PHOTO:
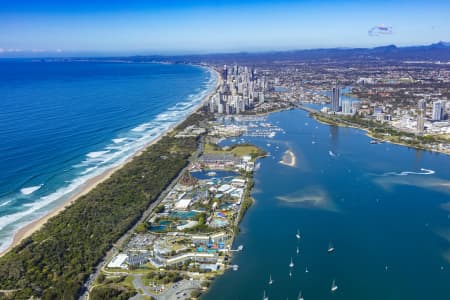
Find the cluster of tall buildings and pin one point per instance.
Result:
(241, 90)
(438, 112)
(344, 106)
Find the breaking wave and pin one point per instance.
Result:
(96, 162)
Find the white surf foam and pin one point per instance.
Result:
(30, 190)
(43, 202)
(97, 162)
(5, 203)
(119, 140)
(139, 128)
(88, 170)
(96, 154)
(406, 173)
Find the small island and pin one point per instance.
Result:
(289, 159)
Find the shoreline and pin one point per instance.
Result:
(27, 230)
(372, 136)
(291, 162)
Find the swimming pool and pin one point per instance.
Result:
(184, 215)
(219, 222)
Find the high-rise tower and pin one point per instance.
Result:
(335, 95)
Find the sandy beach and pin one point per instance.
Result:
(289, 159)
(89, 185)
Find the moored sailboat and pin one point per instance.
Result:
(291, 264)
(330, 247)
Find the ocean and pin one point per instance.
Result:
(63, 123)
(384, 208)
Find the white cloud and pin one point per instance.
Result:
(380, 30)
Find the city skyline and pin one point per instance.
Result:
(175, 27)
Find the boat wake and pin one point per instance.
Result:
(332, 154)
(406, 173)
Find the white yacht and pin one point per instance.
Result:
(291, 265)
(330, 247)
(270, 280)
(334, 287)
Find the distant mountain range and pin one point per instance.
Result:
(434, 52)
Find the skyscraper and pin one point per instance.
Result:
(347, 107)
(438, 111)
(335, 95)
(420, 120)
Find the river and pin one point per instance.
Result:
(384, 207)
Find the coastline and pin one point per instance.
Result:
(372, 136)
(27, 230)
(291, 161)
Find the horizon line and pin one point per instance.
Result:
(50, 54)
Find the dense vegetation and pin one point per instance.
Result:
(107, 292)
(113, 288)
(248, 200)
(54, 262)
(164, 277)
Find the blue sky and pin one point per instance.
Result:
(172, 27)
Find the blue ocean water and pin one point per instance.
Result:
(384, 207)
(62, 123)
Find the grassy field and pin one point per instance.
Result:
(237, 150)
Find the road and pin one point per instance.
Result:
(139, 285)
(308, 109)
(180, 290)
(92, 278)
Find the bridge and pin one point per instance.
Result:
(308, 109)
